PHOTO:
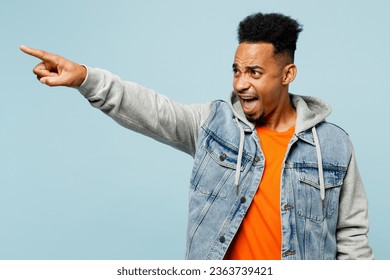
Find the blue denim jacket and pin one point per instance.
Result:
(323, 204)
(216, 210)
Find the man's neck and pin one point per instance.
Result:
(282, 118)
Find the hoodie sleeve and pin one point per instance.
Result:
(352, 228)
(143, 110)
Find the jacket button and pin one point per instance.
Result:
(289, 253)
(257, 159)
(222, 157)
(222, 239)
(242, 199)
(287, 207)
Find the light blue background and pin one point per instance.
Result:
(75, 185)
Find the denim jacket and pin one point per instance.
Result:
(323, 203)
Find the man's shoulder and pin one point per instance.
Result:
(220, 105)
(332, 128)
(334, 137)
(221, 114)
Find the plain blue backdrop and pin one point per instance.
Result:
(75, 185)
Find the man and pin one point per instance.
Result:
(271, 178)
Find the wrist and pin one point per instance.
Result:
(82, 75)
(79, 75)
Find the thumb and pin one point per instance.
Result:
(53, 81)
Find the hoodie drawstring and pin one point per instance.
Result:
(320, 167)
(319, 159)
(240, 152)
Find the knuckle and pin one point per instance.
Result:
(35, 71)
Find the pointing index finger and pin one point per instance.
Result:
(37, 53)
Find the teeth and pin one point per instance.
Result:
(249, 103)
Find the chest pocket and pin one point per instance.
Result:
(308, 198)
(215, 167)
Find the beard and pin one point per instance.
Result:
(258, 121)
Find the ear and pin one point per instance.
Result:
(289, 74)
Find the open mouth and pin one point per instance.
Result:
(248, 103)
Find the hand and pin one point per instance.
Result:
(55, 70)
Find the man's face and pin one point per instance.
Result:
(258, 76)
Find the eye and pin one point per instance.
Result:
(256, 73)
(236, 72)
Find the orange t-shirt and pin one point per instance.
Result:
(259, 236)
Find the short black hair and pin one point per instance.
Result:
(278, 29)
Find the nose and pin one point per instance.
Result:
(241, 84)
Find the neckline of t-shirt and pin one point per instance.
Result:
(288, 131)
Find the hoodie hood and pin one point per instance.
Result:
(310, 111)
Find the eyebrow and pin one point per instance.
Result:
(254, 67)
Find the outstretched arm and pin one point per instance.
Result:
(131, 105)
(55, 70)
